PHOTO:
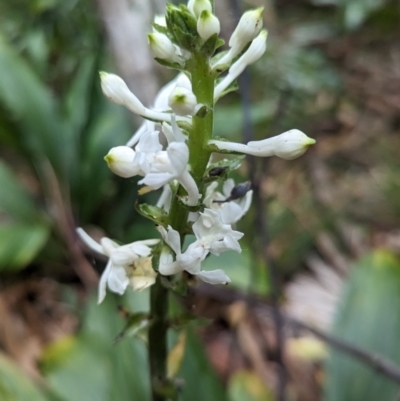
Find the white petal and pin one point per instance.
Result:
(109, 246)
(89, 241)
(117, 279)
(139, 283)
(173, 239)
(103, 283)
(157, 180)
(228, 186)
(178, 154)
(214, 277)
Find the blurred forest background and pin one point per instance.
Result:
(332, 69)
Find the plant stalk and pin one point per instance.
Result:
(202, 130)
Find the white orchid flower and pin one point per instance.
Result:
(212, 235)
(189, 261)
(128, 265)
(231, 211)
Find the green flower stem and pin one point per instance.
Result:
(203, 88)
(158, 339)
(201, 133)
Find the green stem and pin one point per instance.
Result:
(202, 129)
(158, 338)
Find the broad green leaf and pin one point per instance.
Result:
(20, 243)
(369, 316)
(201, 382)
(77, 100)
(14, 385)
(35, 109)
(91, 367)
(14, 200)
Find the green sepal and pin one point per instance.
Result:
(203, 111)
(153, 213)
(135, 324)
(170, 64)
(160, 28)
(209, 46)
(220, 42)
(215, 148)
(182, 27)
(233, 87)
(220, 69)
(227, 164)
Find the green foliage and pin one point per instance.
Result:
(368, 317)
(90, 367)
(15, 386)
(200, 381)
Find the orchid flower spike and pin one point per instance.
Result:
(289, 145)
(128, 265)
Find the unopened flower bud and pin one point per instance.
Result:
(162, 47)
(115, 89)
(118, 92)
(289, 145)
(182, 101)
(198, 6)
(251, 55)
(207, 25)
(120, 161)
(247, 29)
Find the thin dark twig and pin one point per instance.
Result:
(377, 362)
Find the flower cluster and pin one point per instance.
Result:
(161, 151)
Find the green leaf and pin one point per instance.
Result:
(91, 367)
(20, 243)
(201, 382)
(136, 323)
(14, 200)
(14, 385)
(369, 316)
(34, 107)
(153, 213)
(78, 96)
